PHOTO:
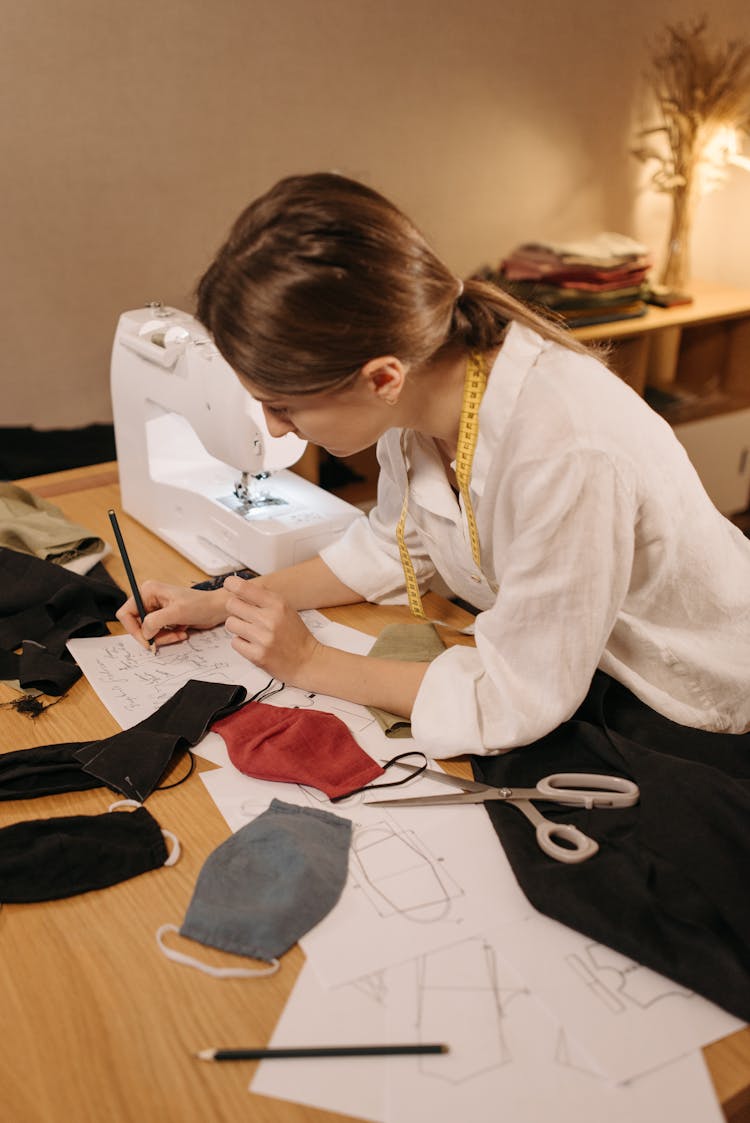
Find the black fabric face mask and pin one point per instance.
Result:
(44, 770)
(47, 859)
(131, 762)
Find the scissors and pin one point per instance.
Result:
(575, 789)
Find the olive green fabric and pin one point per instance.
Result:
(414, 643)
(31, 525)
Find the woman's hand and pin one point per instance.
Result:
(267, 631)
(170, 611)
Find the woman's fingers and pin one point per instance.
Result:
(254, 614)
(173, 635)
(250, 627)
(251, 593)
(128, 616)
(265, 629)
(170, 611)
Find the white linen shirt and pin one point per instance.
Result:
(599, 548)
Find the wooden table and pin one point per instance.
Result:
(96, 1024)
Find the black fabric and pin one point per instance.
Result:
(44, 770)
(28, 581)
(131, 762)
(25, 451)
(46, 859)
(42, 605)
(36, 667)
(218, 582)
(669, 886)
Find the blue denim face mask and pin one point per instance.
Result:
(267, 885)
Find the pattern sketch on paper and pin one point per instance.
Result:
(399, 875)
(373, 987)
(621, 983)
(460, 988)
(352, 715)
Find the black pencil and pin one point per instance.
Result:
(129, 571)
(319, 1051)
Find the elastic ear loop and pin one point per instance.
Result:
(207, 968)
(174, 853)
(182, 779)
(391, 783)
(266, 691)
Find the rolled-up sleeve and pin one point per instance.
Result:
(567, 562)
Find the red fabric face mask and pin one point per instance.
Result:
(297, 747)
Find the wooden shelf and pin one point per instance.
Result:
(682, 406)
(702, 349)
(711, 302)
(692, 363)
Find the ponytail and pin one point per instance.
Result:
(483, 311)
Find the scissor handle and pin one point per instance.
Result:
(588, 789)
(579, 848)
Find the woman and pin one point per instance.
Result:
(539, 486)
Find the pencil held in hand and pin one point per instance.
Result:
(129, 572)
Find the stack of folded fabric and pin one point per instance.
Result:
(593, 281)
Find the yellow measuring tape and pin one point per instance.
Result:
(468, 431)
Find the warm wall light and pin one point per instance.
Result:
(740, 162)
(721, 151)
(703, 95)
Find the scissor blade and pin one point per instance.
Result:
(432, 800)
(445, 778)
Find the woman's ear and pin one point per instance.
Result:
(384, 377)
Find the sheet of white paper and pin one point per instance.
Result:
(132, 683)
(213, 748)
(508, 1058)
(629, 1019)
(414, 888)
(349, 1015)
(337, 635)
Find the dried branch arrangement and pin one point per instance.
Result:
(702, 90)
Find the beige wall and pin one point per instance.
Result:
(132, 133)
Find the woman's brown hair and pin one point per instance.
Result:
(322, 274)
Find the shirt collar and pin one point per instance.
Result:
(519, 352)
(427, 479)
(428, 484)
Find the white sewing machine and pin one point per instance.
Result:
(181, 418)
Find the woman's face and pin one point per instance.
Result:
(342, 422)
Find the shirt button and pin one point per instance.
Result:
(477, 577)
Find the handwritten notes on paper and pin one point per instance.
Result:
(132, 682)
